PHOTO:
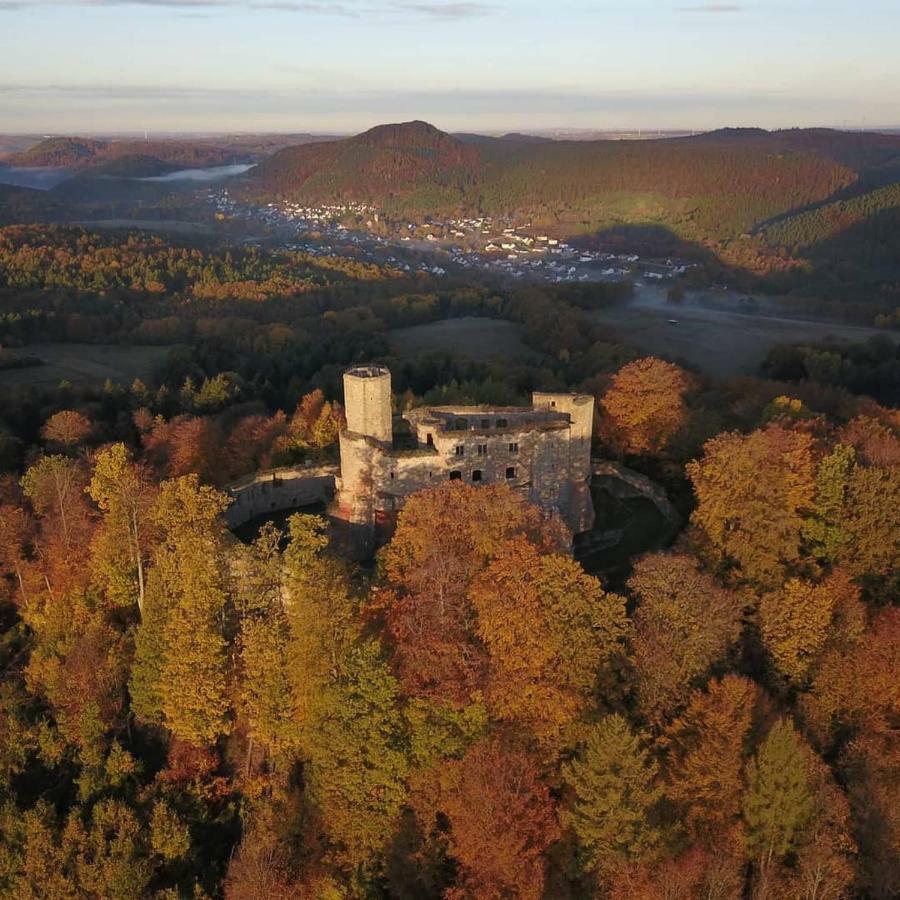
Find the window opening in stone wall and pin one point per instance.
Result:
(513, 448)
(481, 449)
(455, 475)
(502, 423)
(460, 450)
(485, 423)
(476, 475)
(429, 440)
(511, 472)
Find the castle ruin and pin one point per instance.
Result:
(542, 451)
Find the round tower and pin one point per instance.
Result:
(367, 402)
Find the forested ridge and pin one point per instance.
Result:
(709, 190)
(760, 201)
(88, 153)
(183, 714)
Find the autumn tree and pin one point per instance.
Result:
(187, 445)
(798, 621)
(684, 624)
(706, 751)
(852, 707)
(346, 705)
(614, 793)
(15, 536)
(876, 442)
(124, 492)
(825, 860)
(101, 855)
(644, 406)
(250, 443)
(179, 676)
(67, 429)
(444, 538)
(500, 819)
(779, 802)
(55, 487)
(753, 493)
(872, 521)
(266, 692)
(315, 425)
(826, 529)
(855, 518)
(553, 635)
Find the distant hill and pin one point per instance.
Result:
(19, 205)
(57, 153)
(709, 189)
(393, 165)
(86, 153)
(756, 199)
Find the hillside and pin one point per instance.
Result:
(85, 153)
(21, 204)
(408, 166)
(748, 195)
(712, 188)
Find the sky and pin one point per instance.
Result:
(95, 66)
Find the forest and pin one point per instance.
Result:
(810, 212)
(84, 153)
(471, 714)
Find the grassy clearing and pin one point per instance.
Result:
(81, 363)
(474, 337)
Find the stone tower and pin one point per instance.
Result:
(575, 494)
(367, 402)
(364, 444)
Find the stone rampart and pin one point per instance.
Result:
(275, 490)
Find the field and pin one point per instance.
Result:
(84, 363)
(717, 342)
(164, 226)
(477, 338)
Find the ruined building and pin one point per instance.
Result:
(543, 451)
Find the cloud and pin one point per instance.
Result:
(445, 10)
(712, 8)
(448, 10)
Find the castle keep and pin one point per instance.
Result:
(542, 451)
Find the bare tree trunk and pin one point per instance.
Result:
(22, 587)
(139, 561)
(62, 511)
(249, 757)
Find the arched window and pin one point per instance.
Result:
(455, 475)
(476, 475)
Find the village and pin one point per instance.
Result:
(505, 248)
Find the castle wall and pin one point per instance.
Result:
(279, 489)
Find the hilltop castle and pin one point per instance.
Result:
(542, 451)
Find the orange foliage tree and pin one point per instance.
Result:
(753, 492)
(67, 428)
(553, 635)
(500, 817)
(684, 624)
(444, 538)
(644, 406)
